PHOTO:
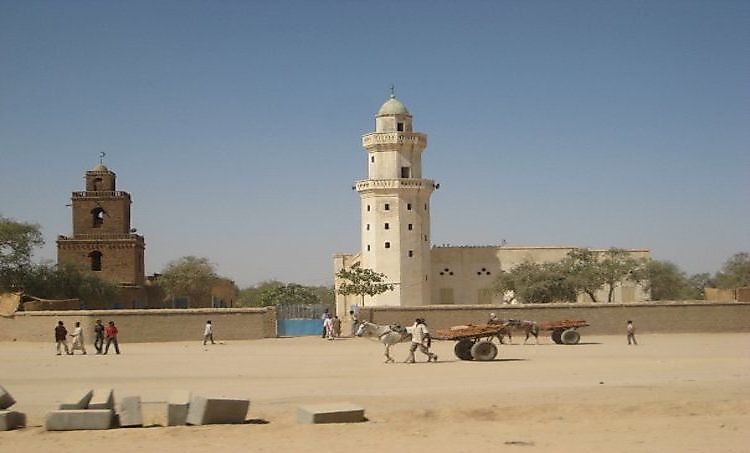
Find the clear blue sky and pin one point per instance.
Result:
(236, 125)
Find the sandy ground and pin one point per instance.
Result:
(672, 393)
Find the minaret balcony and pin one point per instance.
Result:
(100, 194)
(395, 184)
(394, 138)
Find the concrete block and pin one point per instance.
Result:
(177, 408)
(11, 420)
(77, 400)
(130, 413)
(102, 399)
(6, 400)
(74, 419)
(214, 411)
(330, 413)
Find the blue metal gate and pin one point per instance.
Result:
(297, 320)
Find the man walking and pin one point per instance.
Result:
(208, 333)
(99, 332)
(631, 334)
(420, 338)
(61, 334)
(111, 333)
(77, 339)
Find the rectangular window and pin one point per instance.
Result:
(368, 247)
(408, 206)
(411, 253)
(387, 207)
(387, 226)
(400, 127)
(372, 159)
(411, 227)
(368, 227)
(405, 172)
(368, 208)
(387, 245)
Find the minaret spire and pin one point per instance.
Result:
(101, 157)
(393, 91)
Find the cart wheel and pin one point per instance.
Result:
(556, 336)
(570, 336)
(484, 351)
(463, 349)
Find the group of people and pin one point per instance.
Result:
(331, 326)
(101, 332)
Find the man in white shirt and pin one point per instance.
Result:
(78, 339)
(208, 333)
(420, 339)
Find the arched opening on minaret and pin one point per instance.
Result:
(97, 184)
(96, 260)
(97, 217)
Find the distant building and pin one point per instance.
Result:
(395, 230)
(103, 241)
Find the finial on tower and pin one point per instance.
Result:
(101, 157)
(393, 91)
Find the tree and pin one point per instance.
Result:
(188, 276)
(17, 242)
(66, 282)
(532, 283)
(291, 293)
(666, 281)
(362, 281)
(251, 296)
(616, 265)
(584, 272)
(735, 273)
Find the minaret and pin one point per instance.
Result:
(102, 240)
(396, 207)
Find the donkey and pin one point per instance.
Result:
(388, 335)
(527, 327)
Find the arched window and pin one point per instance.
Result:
(96, 260)
(97, 184)
(97, 217)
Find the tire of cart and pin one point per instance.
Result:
(462, 349)
(557, 336)
(484, 351)
(570, 336)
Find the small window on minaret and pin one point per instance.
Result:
(400, 127)
(368, 247)
(372, 159)
(411, 227)
(387, 245)
(97, 184)
(96, 260)
(405, 172)
(387, 226)
(368, 208)
(408, 206)
(97, 215)
(387, 207)
(411, 253)
(368, 227)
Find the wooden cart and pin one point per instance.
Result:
(473, 342)
(565, 331)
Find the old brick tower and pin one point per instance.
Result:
(103, 241)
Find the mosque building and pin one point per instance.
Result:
(395, 231)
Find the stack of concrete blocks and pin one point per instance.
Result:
(9, 419)
(330, 413)
(84, 409)
(216, 411)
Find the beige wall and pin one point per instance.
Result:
(654, 317)
(137, 326)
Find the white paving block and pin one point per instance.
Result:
(213, 411)
(177, 407)
(75, 419)
(130, 413)
(330, 413)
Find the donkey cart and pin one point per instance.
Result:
(564, 332)
(472, 342)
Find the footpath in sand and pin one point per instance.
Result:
(672, 393)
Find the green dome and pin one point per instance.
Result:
(392, 107)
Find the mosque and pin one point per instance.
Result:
(395, 231)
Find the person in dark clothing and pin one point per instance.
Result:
(111, 333)
(61, 335)
(99, 332)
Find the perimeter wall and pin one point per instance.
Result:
(138, 326)
(605, 318)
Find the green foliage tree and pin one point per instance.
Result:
(666, 281)
(536, 283)
(584, 272)
(735, 273)
(67, 282)
(361, 281)
(251, 296)
(617, 265)
(291, 293)
(188, 276)
(17, 242)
